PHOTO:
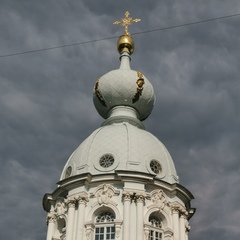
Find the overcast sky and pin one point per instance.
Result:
(46, 107)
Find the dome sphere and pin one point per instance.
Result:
(124, 87)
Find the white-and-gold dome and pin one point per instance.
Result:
(121, 146)
(125, 98)
(124, 87)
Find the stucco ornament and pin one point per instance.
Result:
(127, 196)
(82, 198)
(60, 207)
(146, 233)
(176, 207)
(104, 195)
(117, 230)
(187, 226)
(51, 217)
(159, 200)
(88, 234)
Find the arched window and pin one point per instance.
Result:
(155, 230)
(104, 226)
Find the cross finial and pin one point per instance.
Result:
(125, 22)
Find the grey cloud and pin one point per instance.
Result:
(46, 100)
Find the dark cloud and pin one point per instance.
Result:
(47, 111)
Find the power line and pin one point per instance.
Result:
(60, 46)
(107, 38)
(188, 24)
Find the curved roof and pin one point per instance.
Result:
(121, 146)
(124, 87)
(123, 97)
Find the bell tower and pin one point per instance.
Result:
(121, 182)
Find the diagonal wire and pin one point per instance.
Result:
(107, 38)
(188, 24)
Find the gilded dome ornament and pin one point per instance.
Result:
(140, 82)
(125, 42)
(125, 22)
(98, 94)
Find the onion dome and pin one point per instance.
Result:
(124, 86)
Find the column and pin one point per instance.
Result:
(82, 202)
(70, 219)
(139, 200)
(175, 213)
(182, 227)
(51, 219)
(126, 215)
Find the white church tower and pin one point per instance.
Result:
(121, 182)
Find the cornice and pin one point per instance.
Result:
(119, 176)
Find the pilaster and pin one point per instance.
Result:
(51, 219)
(71, 203)
(179, 219)
(139, 198)
(81, 200)
(127, 198)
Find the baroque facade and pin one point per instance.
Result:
(121, 182)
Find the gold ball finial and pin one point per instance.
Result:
(125, 42)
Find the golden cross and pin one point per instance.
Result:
(125, 22)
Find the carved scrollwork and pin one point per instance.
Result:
(139, 198)
(175, 207)
(82, 198)
(187, 226)
(89, 231)
(159, 200)
(63, 237)
(88, 234)
(60, 206)
(133, 196)
(140, 82)
(71, 202)
(127, 196)
(146, 233)
(51, 217)
(178, 208)
(104, 194)
(117, 230)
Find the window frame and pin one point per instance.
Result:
(154, 230)
(105, 225)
